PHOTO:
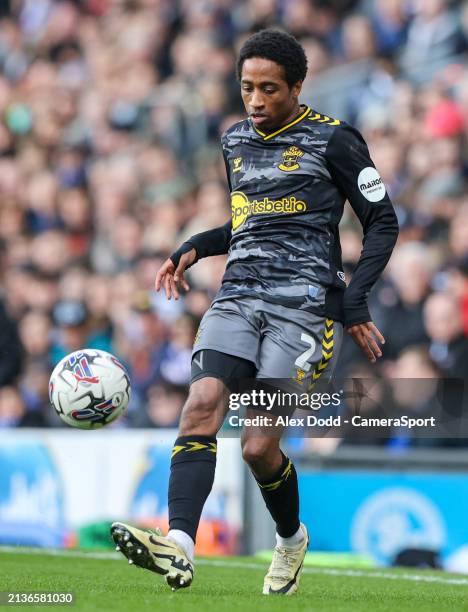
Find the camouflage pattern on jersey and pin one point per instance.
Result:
(285, 212)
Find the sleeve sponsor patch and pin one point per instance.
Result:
(371, 185)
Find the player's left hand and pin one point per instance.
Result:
(367, 337)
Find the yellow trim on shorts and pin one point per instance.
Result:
(327, 352)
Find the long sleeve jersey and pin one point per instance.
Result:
(288, 190)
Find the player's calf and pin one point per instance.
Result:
(204, 410)
(193, 460)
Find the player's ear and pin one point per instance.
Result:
(296, 89)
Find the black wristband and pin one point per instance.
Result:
(184, 248)
(354, 315)
(212, 242)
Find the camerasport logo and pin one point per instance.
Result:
(371, 185)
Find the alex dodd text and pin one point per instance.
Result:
(311, 420)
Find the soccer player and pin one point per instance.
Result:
(283, 303)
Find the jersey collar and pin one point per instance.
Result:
(285, 127)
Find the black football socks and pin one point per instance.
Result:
(193, 465)
(281, 495)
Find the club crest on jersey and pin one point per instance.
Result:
(290, 157)
(237, 164)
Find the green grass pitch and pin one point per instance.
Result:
(104, 581)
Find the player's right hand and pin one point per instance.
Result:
(169, 276)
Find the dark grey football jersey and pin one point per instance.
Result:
(288, 190)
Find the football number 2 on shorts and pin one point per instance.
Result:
(302, 361)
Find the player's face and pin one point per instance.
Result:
(268, 99)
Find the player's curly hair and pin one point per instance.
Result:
(278, 47)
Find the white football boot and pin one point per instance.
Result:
(149, 549)
(285, 570)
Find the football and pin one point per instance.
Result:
(89, 389)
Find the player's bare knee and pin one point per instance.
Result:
(258, 451)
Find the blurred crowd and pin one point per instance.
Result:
(110, 157)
